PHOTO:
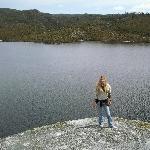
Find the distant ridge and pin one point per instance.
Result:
(33, 25)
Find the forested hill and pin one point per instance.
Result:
(33, 25)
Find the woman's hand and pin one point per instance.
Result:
(109, 102)
(93, 104)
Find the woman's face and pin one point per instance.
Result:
(102, 81)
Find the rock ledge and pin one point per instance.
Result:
(82, 134)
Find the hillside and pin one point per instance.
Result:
(33, 25)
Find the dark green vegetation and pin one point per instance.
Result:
(32, 25)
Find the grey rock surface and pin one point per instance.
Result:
(82, 134)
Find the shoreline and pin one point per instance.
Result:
(59, 43)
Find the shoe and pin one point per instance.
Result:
(114, 127)
(101, 126)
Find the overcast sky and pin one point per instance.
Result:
(79, 6)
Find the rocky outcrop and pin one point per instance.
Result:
(83, 134)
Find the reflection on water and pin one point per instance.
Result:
(42, 84)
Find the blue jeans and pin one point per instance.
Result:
(105, 109)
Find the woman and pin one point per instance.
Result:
(103, 100)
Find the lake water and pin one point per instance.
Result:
(42, 84)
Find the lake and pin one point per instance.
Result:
(42, 84)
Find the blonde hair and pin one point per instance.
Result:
(99, 84)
